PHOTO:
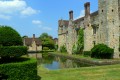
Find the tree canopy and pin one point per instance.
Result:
(47, 40)
(9, 37)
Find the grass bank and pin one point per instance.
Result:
(111, 72)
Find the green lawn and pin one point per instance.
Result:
(111, 72)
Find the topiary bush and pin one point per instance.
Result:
(26, 69)
(9, 37)
(102, 51)
(12, 67)
(11, 43)
(63, 49)
(13, 51)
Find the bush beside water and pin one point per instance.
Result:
(102, 51)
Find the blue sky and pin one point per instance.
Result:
(30, 17)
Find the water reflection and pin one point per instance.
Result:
(54, 62)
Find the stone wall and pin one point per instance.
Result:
(101, 26)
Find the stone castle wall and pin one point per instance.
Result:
(101, 26)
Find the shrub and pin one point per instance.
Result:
(75, 49)
(25, 70)
(102, 51)
(87, 53)
(45, 48)
(9, 37)
(13, 51)
(56, 47)
(63, 49)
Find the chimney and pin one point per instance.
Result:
(33, 36)
(71, 15)
(87, 9)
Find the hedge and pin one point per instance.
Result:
(14, 51)
(25, 70)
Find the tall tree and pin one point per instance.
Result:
(47, 40)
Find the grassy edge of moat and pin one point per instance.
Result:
(106, 72)
(109, 72)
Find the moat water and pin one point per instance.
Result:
(54, 62)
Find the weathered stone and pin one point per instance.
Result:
(101, 26)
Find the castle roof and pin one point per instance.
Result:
(28, 41)
(82, 18)
(78, 20)
(66, 22)
(63, 22)
(94, 14)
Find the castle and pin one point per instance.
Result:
(101, 26)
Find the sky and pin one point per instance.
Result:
(30, 17)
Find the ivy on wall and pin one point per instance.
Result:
(79, 46)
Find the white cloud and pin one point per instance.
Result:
(40, 25)
(16, 7)
(47, 28)
(82, 14)
(9, 7)
(28, 11)
(5, 17)
(37, 22)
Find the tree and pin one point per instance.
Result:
(25, 36)
(47, 41)
(43, 36)
(11, 44)
(9, 37)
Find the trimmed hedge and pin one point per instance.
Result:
(25, 70)
(9, 37)
(102, 51)
(45, 48)
(13, 51)
(87, 53)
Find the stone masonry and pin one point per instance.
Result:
(101, 26)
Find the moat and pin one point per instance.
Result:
(55, 62)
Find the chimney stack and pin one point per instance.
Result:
(71, 15)
(87, 9)
(33, 36)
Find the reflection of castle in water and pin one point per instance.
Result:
(68, 63)
(57, 62)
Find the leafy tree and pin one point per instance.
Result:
(25, 36)
(9, 37)
(44, 36)
(47, 41)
